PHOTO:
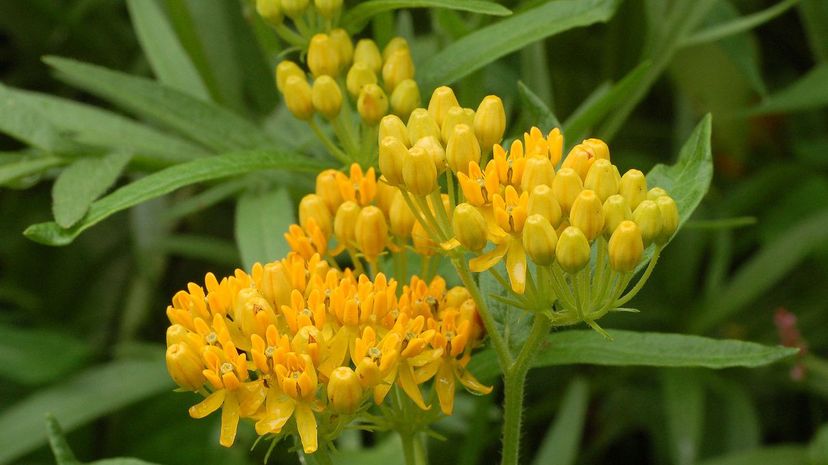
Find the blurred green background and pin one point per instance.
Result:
(82, 326)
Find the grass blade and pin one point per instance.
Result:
(744, 23)
(356, 18)
(563, 439)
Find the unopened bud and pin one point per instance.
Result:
(270, 11)
(401, 218)
(433, 148)
(601, 178)
(566, 186)
(284, 70)
(422, 242)
(462, 149)
(372, 104)
(490, 122)
(323, 58)
(367, 53)
(326, 97)
(616, 209)
(633, 187)
(185, 366)
(371, 232)
(656, 192)
(419, 172)
(177, 333)
(328, 188)
(537, 171)
(294, 8)
(343, 45)
(588, 214)
(626, 247)
(580, 159)
(344, 391)
(397, 43)
(543, 202)
(298, 97)
(392, 152)
(358, 77)
(599, 148)
(648, 218)
(669, 218)
(572, 250)
(469, 227)
(392, 126)
(539, 240)
(328, 8)
(313, 207)
(454, 116)
(397, 68)
(345, 222)
(421, 124)
(442, 99)
(275, 285)
(405, 98)
(555, 142)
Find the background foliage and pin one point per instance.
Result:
(81, 327)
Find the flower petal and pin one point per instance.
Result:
(208, 405)
(488, 259)
(229, 419)
(444, 384)
(406, 379)
(516, 265)
(470, 382)
(306, 424)
(278, 410)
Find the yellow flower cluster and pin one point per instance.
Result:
(299, 339)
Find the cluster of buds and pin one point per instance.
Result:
(302, 348)
(303, 13)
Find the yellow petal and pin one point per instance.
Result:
(427, 371)
(516, 265)
(470, 382)
(208, 405)
(337, 351)
(444, 384)
(306, 424)
(229, 420)
(409, 385)
(488, 259)
(251, 396)
(278, 410)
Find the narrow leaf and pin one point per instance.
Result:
(563, 439)
(809, 92)
(212, 126)
(27, 167)
(744, 23)
(37, 356)
(539, 113)
(60, 448)
(167, 57)
(630, 348)
(356, 18)
(513, 323)
(486, 45)
(683, 400)
(774, 455)
(260, 222)
(814, 16)
(19, 120)
(81, 183)
(78, 400)
(168, 180)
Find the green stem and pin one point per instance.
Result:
(332, 148)
(413, 449)
(640, 284)
(289, 36)
(514, 383)
(450, 186)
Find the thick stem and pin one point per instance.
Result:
(413, 450)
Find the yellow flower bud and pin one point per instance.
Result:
(294, 8)
(580, 159)
(323, 58)
(559, 229)
(599, 148)
(401, 218)
(656, 192)
(372, 104)
(572, 250)
(647, 216)
(358, 77)
(392, 152)
(275, 285)
(537, 171)
(433, 148)
(555, 143)
(469, 227)
(397, 68)
(442, 99)
(669, 218)
(419, 172)
(392, 126)
(326, 97)
(539, 240)
(328, 189)
(185, 366)
(601, 178)
(616, 209)
(270, 11)
(633, 187)
(542, 202)
(344, 391)
(454, 116)
(298, 97)
(314, 207)
(345, 222)
(588, 214)
(328, 8)
(626, 247)
(405, 98)
(366, 52)
(343, 45)
(421, 124)
(384, 196)
(396, 43)
(284, 70)
(371, 232)
(462, 149)
(177, 333)
(422, 242)
(490, 122)
(566, 186)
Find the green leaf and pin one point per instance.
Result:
(742, 24)
(37, 356)
(539, 113)
(774, 455)
(764, 269)
(168, 59)
(563, 439)
(19, 120)
(168, 180)
(740, 425)
(206, 123)
(684, 411)
(807, 93)
(355, 18)
(631, 348)
(27, 167)
(486, 45)
(387, 452)
(260, 222)
(818, 450)
(81, 183)
(575, 128)
(63, 453)
(814, 16)
(76, 401)
(514, 324)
